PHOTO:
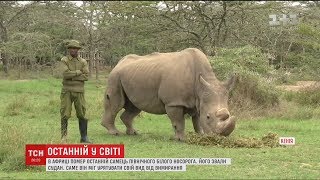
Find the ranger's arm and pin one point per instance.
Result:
(85, 73)
(67, 74)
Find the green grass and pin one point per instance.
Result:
(29, 113)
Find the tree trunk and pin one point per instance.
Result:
(97, 66)
(19, 73)
(4, 38)
(90, 42)
(90, 59)
(5, 63)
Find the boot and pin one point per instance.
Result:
(64, 130)
(83, 125)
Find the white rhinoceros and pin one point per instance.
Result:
(173, 83)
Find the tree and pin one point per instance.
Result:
(10, 11)
(197, 24)
(25, 47)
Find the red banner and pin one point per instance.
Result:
(36, 154)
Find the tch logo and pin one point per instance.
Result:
(287, 141)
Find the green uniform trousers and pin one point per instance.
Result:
(67, 98)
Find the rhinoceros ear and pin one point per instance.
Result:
(204, 84)
(106, 97)
(230, 84)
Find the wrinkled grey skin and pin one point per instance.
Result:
(169, 83)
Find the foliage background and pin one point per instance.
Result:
(35, 32)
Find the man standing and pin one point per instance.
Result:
(75, 72)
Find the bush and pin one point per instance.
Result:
(302, 104)
(294, 111)
(307, 96)
(253, 90)
(243, 59)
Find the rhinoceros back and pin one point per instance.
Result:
(150, 82)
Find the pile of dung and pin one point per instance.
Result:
(269, 140)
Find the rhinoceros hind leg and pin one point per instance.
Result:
(128, 116)
(176, 116)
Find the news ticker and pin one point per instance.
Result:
(110, 157)
(129, 164)
(105, 157)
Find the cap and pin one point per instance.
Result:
(74, 44)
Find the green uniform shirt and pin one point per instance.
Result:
(75, 72)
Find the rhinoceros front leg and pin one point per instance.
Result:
(176, 116)
(127, 118)
(196, 123)
(110, 111)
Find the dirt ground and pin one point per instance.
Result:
(299, 86)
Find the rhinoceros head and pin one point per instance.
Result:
(214, 114)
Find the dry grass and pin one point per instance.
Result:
(269, 140)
